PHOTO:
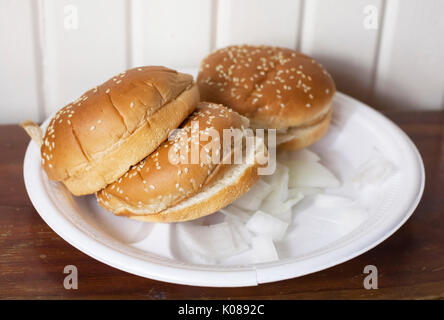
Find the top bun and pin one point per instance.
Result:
(94, 140)
(275, 87)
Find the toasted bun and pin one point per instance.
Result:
(275, 87)
(159, 183)
(302, 137)
(95, 139)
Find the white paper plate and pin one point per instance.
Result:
(311, 244)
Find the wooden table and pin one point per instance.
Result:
(410, 263)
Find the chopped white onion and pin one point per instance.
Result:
(291, 202)
(239, 229)
(253, 198)
(263, 214)
(265, 224)
(311, 174)
(284, 215)
(279, 193)
(235, 212)
(306, 191)
(209, 242)
(264, 249)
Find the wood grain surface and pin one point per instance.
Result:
(410, 263)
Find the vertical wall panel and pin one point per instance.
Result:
(171, 33)
(18, 67)
(340, 34)
(76, 59)
(410, 73)
(273, 22)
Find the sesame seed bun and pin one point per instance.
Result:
(94, 140)
(275, 87)
(158, 190)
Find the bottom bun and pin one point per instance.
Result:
(234, 182)
(299, 138)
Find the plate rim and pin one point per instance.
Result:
(249, 275)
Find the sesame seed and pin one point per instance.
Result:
(107, 90)
(92, 128)
(131, 104)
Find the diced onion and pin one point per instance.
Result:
(306, 191)
(264, 249)
(235, 212)
(239, 229)
(291, 202)
(279, 193)
(209, 242)
(253, 198)
(262, 223)
(311, 174)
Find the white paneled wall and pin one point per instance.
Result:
(19, 75)
(388, 53)
(340, 35)
(171, 32)
(273, 22)
(410, 72)
(84, 43)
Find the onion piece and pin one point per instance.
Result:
(239, 229)
(291, 202)
(306, 191)
(264, 249)
(253, 198)
(279, 193)
(235, 212)
(311, 174)
(208, 242)
(284, 215)
(265, 224)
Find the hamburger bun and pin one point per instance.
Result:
(94, 140)
(276, 88)
(160, 190)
